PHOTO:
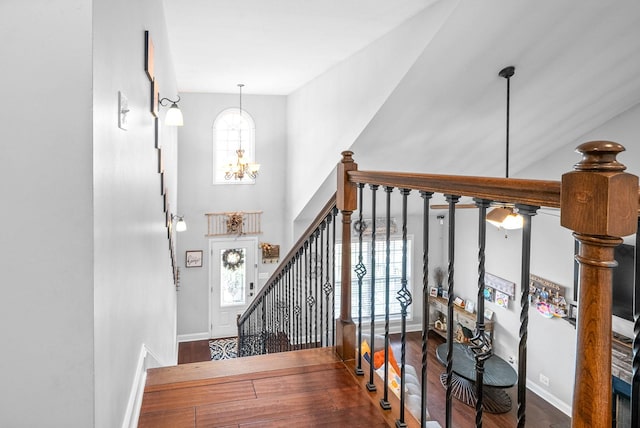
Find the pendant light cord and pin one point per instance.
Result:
(507, 72)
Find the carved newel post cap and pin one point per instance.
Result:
(598, 198)
(347, 156)
(600, 156)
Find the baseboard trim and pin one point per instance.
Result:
(137, 391)
(549, 398)
(192, 337)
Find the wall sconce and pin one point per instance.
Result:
(440, 219)
(174, 115)
(181, 225)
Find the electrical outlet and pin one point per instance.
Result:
(544, 380)
(512, 360)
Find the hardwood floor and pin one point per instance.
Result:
(298, 386)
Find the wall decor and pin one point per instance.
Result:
(500, 284)
(381, 226)
(148, 56)
(155, 95)
(160, 161)
(234, 223)
(548, 297)
(502, 299)
(470, 306)
(193, 258)
(433, 292)
(270, 252)
(489, 294)
(157, 132)
(233, 258)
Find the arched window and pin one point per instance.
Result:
(232, 130)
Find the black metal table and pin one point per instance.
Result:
(498, 375)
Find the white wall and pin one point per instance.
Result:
(85, 262)
(197, 194)
(135, 298)
(46, 244)
(326, 115)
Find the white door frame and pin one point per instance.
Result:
(252, 275)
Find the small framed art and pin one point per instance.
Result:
(193, 258)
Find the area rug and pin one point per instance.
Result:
(224, 349)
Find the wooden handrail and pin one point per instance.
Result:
(510, 190)
(322, 216)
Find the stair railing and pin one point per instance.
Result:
(295, 308)
(598, 201)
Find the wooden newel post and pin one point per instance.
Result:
(346, 202)
(599, 202)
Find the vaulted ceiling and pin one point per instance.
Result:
(577, 66)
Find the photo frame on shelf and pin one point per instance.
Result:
(470, 306)
(193, 258)
(445, 294)
(433, 292)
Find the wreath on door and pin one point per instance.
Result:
(232, 258)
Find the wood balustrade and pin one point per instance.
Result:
(599, 202)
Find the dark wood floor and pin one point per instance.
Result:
(540, 414)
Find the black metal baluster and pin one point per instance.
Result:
(384, 402)
(315, 289)
(327, 287)
(333, 278)
(289, 305)
(307, 275)
(371, 386)
(296, 301)
(479, 343)
(426, 196)
(361, 271)
(526, 211)
(405, 299)
(452, 200)
(321, 300)
(635, 379)
(264, 326)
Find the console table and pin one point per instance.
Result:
(438, 306)
(498, 375)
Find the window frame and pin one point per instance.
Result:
(248, 144)
(366, 291)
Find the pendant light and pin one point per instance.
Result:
(506, 217)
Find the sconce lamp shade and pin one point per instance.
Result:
(181, 225)
(505, 218)
(174, 116)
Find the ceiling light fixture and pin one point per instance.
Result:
(506, 217)
(174, 115)
(241, 168)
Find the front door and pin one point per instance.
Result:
(232, 280)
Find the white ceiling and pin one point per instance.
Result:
(273, 46)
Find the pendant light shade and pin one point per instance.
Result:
(505, 218)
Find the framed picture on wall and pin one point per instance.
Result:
(193, 258)
(148, 56)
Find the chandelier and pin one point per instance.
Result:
(241, 168)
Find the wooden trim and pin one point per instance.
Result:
(511, 190)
